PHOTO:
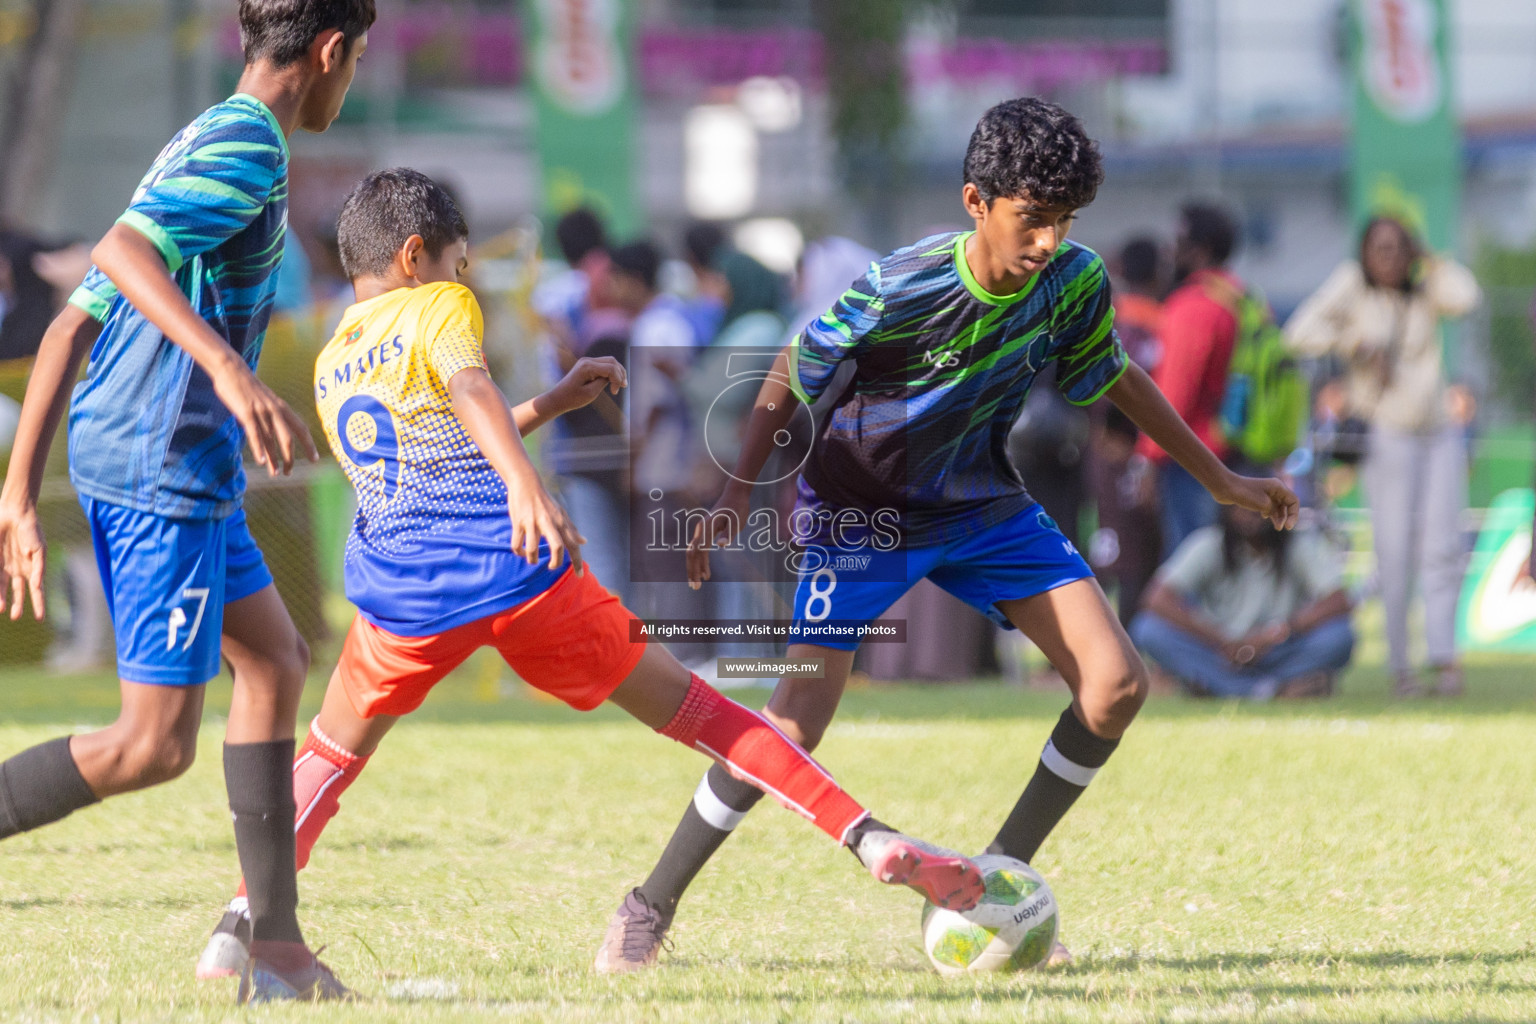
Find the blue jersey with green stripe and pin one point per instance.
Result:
(942, 368)
(146, 430)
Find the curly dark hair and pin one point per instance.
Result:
(1031, 147)
(385, 209)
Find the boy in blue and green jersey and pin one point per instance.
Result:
(173, 314)
(947, 336)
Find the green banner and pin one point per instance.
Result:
(1498, 612)
(581, 63)
(1405, 149)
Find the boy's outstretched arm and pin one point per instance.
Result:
(772, 412)
(581, 385)
(482, 409)
(1137, 397)
(22, 550)
(136, 267)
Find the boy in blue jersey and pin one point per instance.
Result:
(173, 314)
(947, 336)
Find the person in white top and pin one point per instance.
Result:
(1380, 315)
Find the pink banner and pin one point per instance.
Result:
(446, 45)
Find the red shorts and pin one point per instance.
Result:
(572, 642)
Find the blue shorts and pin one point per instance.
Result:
(1019, 557)
(167, 582)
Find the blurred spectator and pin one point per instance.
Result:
(754, 300)
(749, 334)
(1127, 545)
(587, 450)
(1138, 276)
(1381, 316)
(662, 347)
(730, 287)
(1245, 610)
(1198, 331)
(576, 303)
(703, 241)
(36, 277)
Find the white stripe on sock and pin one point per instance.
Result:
(712, 809)
(752, 780)
(1069, 771)
(336, 773)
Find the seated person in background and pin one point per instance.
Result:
(1241, 610)
(1128, 543)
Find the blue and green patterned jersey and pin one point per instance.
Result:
(146, 430)
(942, 370)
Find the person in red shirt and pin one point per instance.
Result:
(1199, 327)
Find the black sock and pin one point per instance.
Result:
(259, 778)
(1067, 764)
(40, 785)
(718, 806)
(856, 834)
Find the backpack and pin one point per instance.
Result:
(1266, 398)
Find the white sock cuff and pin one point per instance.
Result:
(713, 810)
(1068, 771)
(328, 743)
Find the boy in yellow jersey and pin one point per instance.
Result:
(457, 546)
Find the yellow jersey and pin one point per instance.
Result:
(431, 544)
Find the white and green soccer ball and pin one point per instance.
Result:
(1013, 928)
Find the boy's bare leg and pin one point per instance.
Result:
(1077, 630)
(153, 740)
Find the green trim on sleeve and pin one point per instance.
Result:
(972, 286)
(1125, 364)
(88, 302)
(157, 235)
(794, 372)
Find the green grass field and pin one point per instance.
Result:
(1342, 861)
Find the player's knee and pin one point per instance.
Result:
(290, 666)
(810, 734)
(1110, 706)
(151, 760)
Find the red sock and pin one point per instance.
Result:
(322, 771)
(751, 749)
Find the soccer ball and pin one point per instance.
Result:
(1013, 928)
